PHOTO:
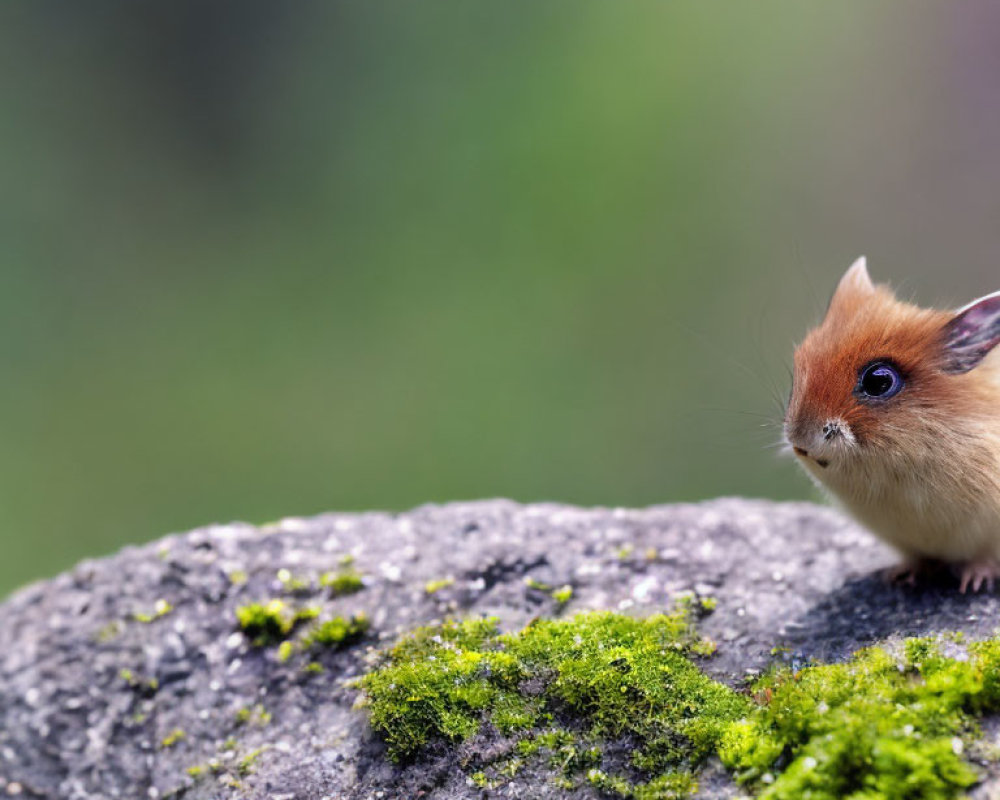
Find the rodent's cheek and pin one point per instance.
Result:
(874, 427)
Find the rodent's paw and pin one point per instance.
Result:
(912, 570)
(902, 574)
(979, 574)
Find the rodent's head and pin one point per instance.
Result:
(880, 377)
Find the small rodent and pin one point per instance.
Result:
(895, 409)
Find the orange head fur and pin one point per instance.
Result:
(831, 417)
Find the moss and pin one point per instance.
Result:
(346, 580)
(160, 608)
(338, 631)
(892, 723)
(431, 587)
(145, 687)
(883, 726)
(237, 577)
(271, 622)
(228, 769)
(256, 714)
(537, 585)
(293, 584)
(172, 738)
(480, 780)
(562, 595)
(108, 632)
(606, 676)
(246, 764)
(285, 651)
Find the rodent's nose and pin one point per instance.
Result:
(831, 429)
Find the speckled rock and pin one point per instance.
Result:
(127, 677)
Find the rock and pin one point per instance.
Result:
(128, 676)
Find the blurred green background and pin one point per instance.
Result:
(263, 259)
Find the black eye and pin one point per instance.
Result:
(880, 381)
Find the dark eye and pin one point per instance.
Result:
(880, 381)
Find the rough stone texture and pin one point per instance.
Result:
(71, 726)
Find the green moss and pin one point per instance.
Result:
(160, 608)
(271, 622)
(338, 631)
(346, 580)
(480, 780)
(256, 714)
(293, 584)
(265, 623)
(285, 651)
(108, 632)
(563, 594)
(537, 585)
(883, 726)
(606, 676)
(172, 738)
(146, 687)
(237, 577)
(247, 763)
(432, 587)
(889, 724)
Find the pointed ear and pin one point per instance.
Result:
(856, 278)
(972, 333)
(854, 284)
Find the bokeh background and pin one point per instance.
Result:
(261, 259)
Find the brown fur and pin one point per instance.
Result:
(920, 469)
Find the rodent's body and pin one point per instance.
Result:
(895, 410)
(921, 505)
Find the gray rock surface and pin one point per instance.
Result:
(80, 719)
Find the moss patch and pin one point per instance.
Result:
(172, 738)
(338, 632)
(565, 689)
(618, 703)
(883, 726)
(160, 608)
(432, 587)
(271, 622)
(346, 580)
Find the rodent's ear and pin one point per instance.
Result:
(855, 284)
(856, 278)
(972, 333)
